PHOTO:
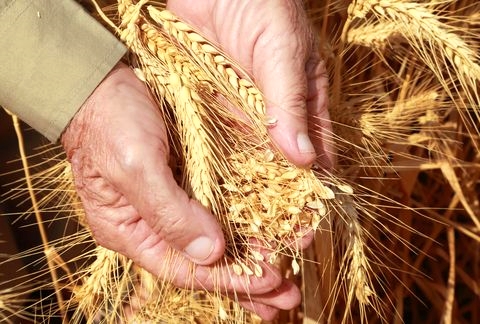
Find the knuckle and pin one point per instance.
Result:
(295, 104)
(170, 226)
(129, 159)
(132, 157)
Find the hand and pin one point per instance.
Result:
(118, 149)
(273, 41)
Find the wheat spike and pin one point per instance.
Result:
(453, 61)
(357, 268)
(373, 35)
(170, 72)
(417, 21)
(214, 62)
(102, 291)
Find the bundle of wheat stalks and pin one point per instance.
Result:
(396, 220)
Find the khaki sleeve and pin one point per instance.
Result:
(52, 56)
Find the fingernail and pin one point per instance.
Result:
(200, 248)
(304, 143)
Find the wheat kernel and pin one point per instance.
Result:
(346, 189)
(316, 204)
(295, 267)
(257, 255)
(222, 313)
(246, 269)
(237, 269)
(258, 270)
(268, 155)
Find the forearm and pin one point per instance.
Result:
(52, 56)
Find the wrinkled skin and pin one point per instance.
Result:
(118, 149)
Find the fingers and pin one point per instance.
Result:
(320, 127)
(286, 296)
(223, 278)
(148, 184)
(137, 166)
(279, 63)
(263, 295)
(156, 256)
(283, 81)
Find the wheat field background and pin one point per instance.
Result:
(397, 219)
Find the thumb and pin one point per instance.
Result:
(279, 69)
(184, 223)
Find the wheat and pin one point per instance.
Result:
(453, 61)
(179, 78)
(176, 79)
(95, 296)
(355, 266)
(419, 22)
(217, 65)
(265, 197)
(154, 301)
(437, 44)
(373, 35)
(400, 67)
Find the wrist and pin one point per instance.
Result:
(75, 132)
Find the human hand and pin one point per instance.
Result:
(118, 149)
(273, 42)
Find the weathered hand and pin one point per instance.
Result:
(118, 149)
(273, 41)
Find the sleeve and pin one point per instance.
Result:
(53, 54)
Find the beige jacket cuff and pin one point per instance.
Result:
(53, 54)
